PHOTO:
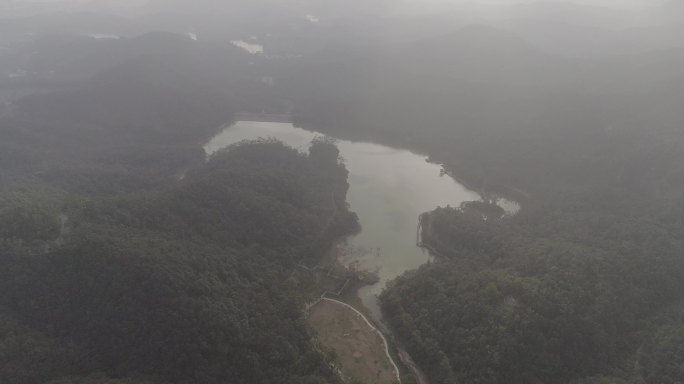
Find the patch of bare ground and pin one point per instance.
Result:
(359, 349)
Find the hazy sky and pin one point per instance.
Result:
(25, 7)
(612, 3)
(608, 3)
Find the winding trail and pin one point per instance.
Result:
(384, 340)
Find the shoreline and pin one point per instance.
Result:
(347, 288)
(473, 183)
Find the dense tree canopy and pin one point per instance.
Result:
(550, 295)
(185, 285)
(128, 257)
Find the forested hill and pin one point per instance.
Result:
(553, 296)
(584, 285)
(121, 132)
(186, 285)
(128, 257)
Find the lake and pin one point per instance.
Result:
(389, 189)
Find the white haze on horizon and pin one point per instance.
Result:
(415, 4)
(627, 4)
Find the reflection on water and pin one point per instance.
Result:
(389, 188)
(511, 207)
(254, 49)
(101, 36)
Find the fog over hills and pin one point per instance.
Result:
(329, 192)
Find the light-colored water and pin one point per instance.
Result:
(107, 36)
(255, 49)
(389, 189)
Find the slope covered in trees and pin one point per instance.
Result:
(127, 256)
(559, 293)
(185, 285)
(583, 284)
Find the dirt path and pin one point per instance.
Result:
(362, 349)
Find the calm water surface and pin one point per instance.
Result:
(252, 48)
(389, 188)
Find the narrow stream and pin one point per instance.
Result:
(389, 189)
